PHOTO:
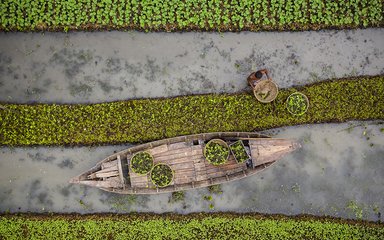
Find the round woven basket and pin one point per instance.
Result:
(305, 99)
(173, 175)
(266, 91)
(133, 169)
(222, 143)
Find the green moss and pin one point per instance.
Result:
(194, 226)
(176, 15)
(150, 119)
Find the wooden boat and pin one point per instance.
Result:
(185, 157)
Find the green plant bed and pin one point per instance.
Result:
(161, 175)
(216, 152)
(297, 103)
(141, 163)
(192, 226)
(239, 152)
(178, 15)
(146, 120)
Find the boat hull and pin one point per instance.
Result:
(185, 157)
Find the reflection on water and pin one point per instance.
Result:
(338, 172)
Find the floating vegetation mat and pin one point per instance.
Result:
(151, 119)
(176, 15)
(192, 226)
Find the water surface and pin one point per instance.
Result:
(339, 171)
(108, 66)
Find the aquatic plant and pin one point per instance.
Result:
(216, 152)
(141, 163)
(177, 197)
(146, 120)
(208, 198)
(191, 226)
(176, 15)
(238, 151)
(161, 175)
(215, 189)
(297, 103)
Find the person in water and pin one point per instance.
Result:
(255, 77)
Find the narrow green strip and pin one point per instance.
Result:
(177, 15)
(196, 226)
(151, 119)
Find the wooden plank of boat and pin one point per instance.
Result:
(158, 150)
(268, 150)
(179, 145)
(107, 174)
(110, 169)
(120, 169)
(181, 154)
(108, 164)
(180, 176)
(193, 159)
(109, 183)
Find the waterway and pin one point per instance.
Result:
(109, 66)
(339, 171)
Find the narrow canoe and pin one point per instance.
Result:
(185, 157)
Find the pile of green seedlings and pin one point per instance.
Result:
(239, 152)
(297, 103)
(216, 152)
(151, 119)
(141, 163)
(192, 226)
(161, 175)
(176, 15)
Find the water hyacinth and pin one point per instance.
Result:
(191, 226)
(146, 120)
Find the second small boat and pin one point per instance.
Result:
(186, 160)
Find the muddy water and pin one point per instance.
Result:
(338, 172)
(109, 66)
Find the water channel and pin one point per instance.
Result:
(339, 171)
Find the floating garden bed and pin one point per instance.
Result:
(216, 151)
(151, 119)
(176, 15)
(239, 152)
(191, 226)
(162, 175)
(141, 163)
(297, 103)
